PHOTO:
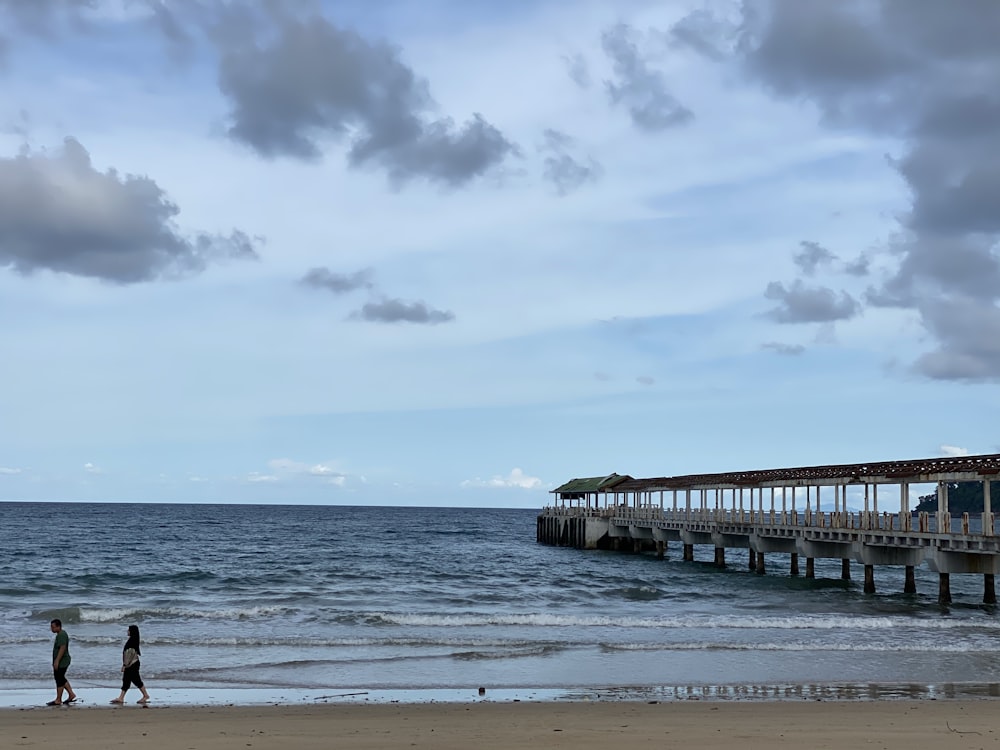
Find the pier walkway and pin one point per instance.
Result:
(797, 511)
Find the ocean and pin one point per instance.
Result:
(392, 603)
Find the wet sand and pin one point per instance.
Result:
(837, 725)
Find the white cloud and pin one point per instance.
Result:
(954, 451)
(516, 478)
(255, 477)
(9, 471)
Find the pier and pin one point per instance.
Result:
(801, 513)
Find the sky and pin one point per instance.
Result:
(458, 252)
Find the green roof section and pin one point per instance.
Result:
(591, 484)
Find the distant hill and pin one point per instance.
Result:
(963, 497)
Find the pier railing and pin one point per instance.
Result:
(923, 522)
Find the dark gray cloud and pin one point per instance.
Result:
(860, 266)
(787, 350)
(811, 256)
(313, 83)
(802, 304)
(638, 86)
(58, 213)
(562, 168)
(969, 333)
(645, 380)
(338, 283)
(928, 74)
(400, 311)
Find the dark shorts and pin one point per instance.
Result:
(131, 677)
(60, 675)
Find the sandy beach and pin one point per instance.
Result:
(909, 725)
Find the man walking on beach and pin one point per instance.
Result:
(60, 663)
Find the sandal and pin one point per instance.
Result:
(53, 703)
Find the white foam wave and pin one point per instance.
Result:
(736, 622)
(860, 647)
(123, 614)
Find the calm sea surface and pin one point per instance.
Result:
(354, 599)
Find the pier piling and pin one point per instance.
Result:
(910, 584)
(944, 588)
(869, 579)
(989, 589)
(845, 569)
(794, 566)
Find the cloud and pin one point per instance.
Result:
(400, 311)
(926, 74)
(562, 169)
(639, 87)
(645, 380)
(578, 70)
(324, 278)
(788, 350)
(285, 469)
(257, 478)
(860, 266)
(8, 471)
(516, 478)
(60, 214)
(702, 32)
(314, 82)
(802, 304)
(953, 451)
(811, 256)
(92, 468)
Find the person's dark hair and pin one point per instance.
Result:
(57, 622)
(133, 638)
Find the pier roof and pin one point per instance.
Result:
(592, 484)
(957, 469)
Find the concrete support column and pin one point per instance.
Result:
(989, 589)
(761, 568)
(751, 559)
(794, 567)
(987, 509)
(910, 584)
(720, 557)
(845, 569)
(869, 579)
(944, 588)
(688, 552)
(810, 568)
(660, 549)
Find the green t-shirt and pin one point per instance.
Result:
(62, 639)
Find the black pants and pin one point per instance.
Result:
(131, 677)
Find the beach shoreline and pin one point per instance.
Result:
(181, 696)
(835, 725)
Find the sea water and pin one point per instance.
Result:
(323, 601)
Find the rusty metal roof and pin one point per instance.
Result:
(924, 469)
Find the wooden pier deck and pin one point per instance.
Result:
(783, 511)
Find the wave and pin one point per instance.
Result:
(75, 615)
(734, 622)
(824, 647)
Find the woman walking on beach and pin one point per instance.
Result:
(130, 667)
